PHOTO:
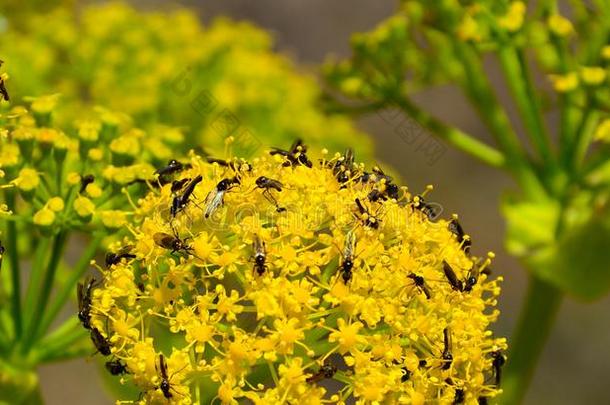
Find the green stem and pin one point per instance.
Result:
(47, 285)
(481, 95)
(518, 80)
(583, 138)
(35, 275)
(536, 320)
(64, 294)
(453, 136)
(13, 255)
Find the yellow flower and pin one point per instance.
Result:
(514, 18)
(602, 132)
(44, 217)
(56, 204)
(559, 25)
(83, 206)
(280, 281)
(565, 83)
(593, 75)
(27, 180)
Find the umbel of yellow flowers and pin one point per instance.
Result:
(293, 280)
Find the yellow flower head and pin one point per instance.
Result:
(298, 270)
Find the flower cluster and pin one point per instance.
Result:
(58, 184)
(432, 41)
(290, 280)
(69, 178)
(218, 80)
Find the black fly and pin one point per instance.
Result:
(297, 155)
(179, 202)
(260, 255)
(172, 242)
(369, 219)
(100, 342)
(428, 209)
(471, 278)
(347, 263)
(85, 181)
(115, 258)
(267, 184)
(3, 90)
(420, 283)
(83, 294)
(498, 361)
(328, 370)
(343, 167)
(447, 356)
(173, 167)
(215, 198)
(455, 282)
(116, 367)
(455, 228)
(232, 164)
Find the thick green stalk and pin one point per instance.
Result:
(518, 80)
(68, 288)
(13, 255)
(47, 285)
(536, 320)
(453, 136)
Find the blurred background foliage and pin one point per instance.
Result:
(215, 80)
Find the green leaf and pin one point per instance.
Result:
(530, 225)
(577, 262)
(580, 262)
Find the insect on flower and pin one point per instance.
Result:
(172, 167)
(447, 356)
(498, 361)
(179, 202)
(233, 165)
(456, 228)
(297, 155)
(267, 185)
(115, 258)
(172, 242)
(369, 219)
(260, 255)
(165, 385)
(85, 181)
(343, 168)
(116, 367)
(215, 198)
(420, 283)
(100, 342)
(455, 282)
(327, 370)
(83, 294)
(430, 210)
(460, 396)
(472, 278)
(3, 90)
(347, 262)
(178, 184)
